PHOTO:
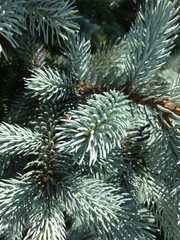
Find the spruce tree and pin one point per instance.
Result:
(89, 149)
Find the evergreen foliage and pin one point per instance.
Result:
(90, 149)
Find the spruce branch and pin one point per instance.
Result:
(16, 139)
(167, 143)
(46, 220)
(48, 84)
(107, 66)
(77, 56)
(32, 51)
(166, 102)
(15, 202)
(149, 42)
(97, 70)
(147, 187)
(173, 102)
(88, 170)
(11, 20)
(77, 232)
(46, 119)
(26, 207)
(108, 211)
(96, 127)
(51, 18)
(167, 214)
(22, 110)
(114, 164)
(163, 86)
(156, 193)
